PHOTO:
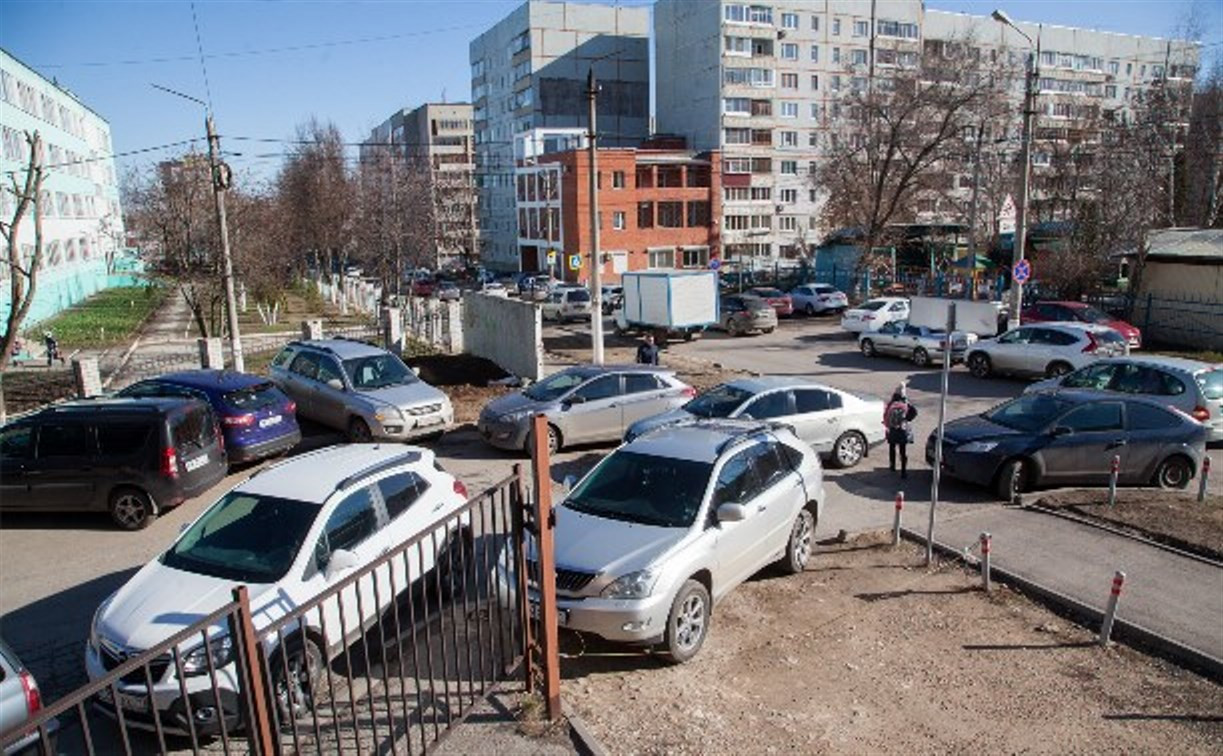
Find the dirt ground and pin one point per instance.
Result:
(1176, 519)
(27, 388)
(869, 652)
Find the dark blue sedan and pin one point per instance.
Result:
(257, 419)
(1069, 438)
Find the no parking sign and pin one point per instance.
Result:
(1021, 271)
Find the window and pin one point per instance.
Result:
(328, 370)
(737, 106)
(698, 214)
(1140, 417)
(121, 440)
(815, 83)
(751, 77)
(787, 223)
(736, 481)
(815, 23)
(885, 28)
(858, 57)
(1041, 158)
(816, 113)
(862, 28)
(737, 165)
(16, 442)
(603, 387)
(1137, 379)
(789, 51)
(789, 138)
(789, 81)
(789, 196)
(354, 520)
(815, 53)
(1093, 417)
(775, 404)
(617, 179)
(636, 383)
(836, 27)
(305, 365)
(696, 257)
(738, 46)
(1110, 91)
(400, 491)
(815, 400)
(789, 167)
(671, 214)
(789, 20)
(748, 14)
(1114, 67)
(661, 257)
(789, 110)
(618, 220)
(836, 55)
(813, 138)
(737, 136)
(762, 192)
(645, 215)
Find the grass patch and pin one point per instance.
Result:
(109, 317)
(297, 303)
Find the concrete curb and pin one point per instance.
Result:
(1134, 635)
(584, 741)
(1108, 528)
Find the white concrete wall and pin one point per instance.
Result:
(506, 331)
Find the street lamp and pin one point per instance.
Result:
(1031, 76)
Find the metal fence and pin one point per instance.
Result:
(1172, 321)
(388, 658)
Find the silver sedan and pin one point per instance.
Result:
(921, 344)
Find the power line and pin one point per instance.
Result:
(100, 158)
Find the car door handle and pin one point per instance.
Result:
(1116, 444)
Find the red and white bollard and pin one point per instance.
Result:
(986, 542)
(1106, 629)
(900, 504)
(1203, 477)
(1112, 480)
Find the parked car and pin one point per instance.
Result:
(813, 299)
(872, 314)
(1079, 312)
(133, 458)
(668, 524)
(494, 288)
(256, 418)
(567, 303)
(780, 301)
(1195, 388)
(447, 291)
(1047, 350)
(918, 343)
(422, 286)
(20, 701)
(584, 404)
(360, 389)
(289, 532)
(610, 298)
(1069, 438)
(838, 424)
(739, 314)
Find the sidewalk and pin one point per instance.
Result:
(164, 344)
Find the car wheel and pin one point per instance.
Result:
(868, 348)
(979, 366)
(1057, 369)
(554, 440)
(688, 622)
(295, 679)
(359, 432)
(810, 310)
(1013, 479)
(849, 449)
(689, 335)
(1174, 472)
(131, 508)
(921, 357)
(798, 548)
(731, 328)
(767, 331)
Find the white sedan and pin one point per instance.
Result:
(872, 314)
(812, 299)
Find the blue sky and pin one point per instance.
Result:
(274, 64)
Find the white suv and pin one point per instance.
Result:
(288, 532)
(669, 523)
(1047, 349)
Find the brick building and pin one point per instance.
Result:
(660, 206)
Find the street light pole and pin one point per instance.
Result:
(596, 292)
(220, 182)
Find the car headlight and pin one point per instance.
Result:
(220, 648)
(389, 415)
(635, 585)
(97, 614)
(978, 447)
(513, 417)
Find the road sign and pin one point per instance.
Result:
(714, 263)
(575, 262)
(1006, 216)
(552, 257)
(1022, 271)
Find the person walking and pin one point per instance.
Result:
(647, 352)
(52, 348)
(897, 416)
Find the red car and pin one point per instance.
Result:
(423, 287)
(780, 301)
(1082, 313)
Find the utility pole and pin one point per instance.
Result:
(596, 291)
(220, 183)
(972, 205)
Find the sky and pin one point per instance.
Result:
(271, 65)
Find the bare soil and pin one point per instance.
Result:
(870, 652)
(28, 388)
(1173, 518)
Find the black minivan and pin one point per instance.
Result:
(134, 458)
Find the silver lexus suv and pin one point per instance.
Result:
(669, 523)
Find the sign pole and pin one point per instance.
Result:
(938, 439)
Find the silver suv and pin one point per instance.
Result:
(360, 389)
(669, 523)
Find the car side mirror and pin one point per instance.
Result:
(568, 483)
(747, 416)
(340, 561)
(1060, 430)
(731, 512)
(572, 401)
(416, 372)
(336, 384)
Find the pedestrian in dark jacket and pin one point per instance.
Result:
(897, 416)
(647, 352)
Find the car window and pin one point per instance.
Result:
(775, 404)
(815, 400)
(737, 481)
(642, 488)
(792, 457)
(554, 386)
(1018, 336)
(193, 427)
(1095, 416)
(254, 398)
(1091, 377)
(603, 387)
(732, 305)
(872, 305)
(143, 389)
(1140, 379)
(283, 357)
(911, 330)
(63, 440)
(305, 365)
(377, 371)
(718, 401)
(578, 295)
(898, 307)
(635, 383)
(16, 442)
(1139, 416)
(1211, 382)
(400, 491)
(122, 440)
(353, 520)
(893, 327)
(329, 370)
(770, 466)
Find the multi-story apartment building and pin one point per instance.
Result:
(529, 71)
(771, 90)
(438, 139)
(659, 206)
(82, 219)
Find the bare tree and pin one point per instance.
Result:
(396, 213)
(316, 197)
(22, 269)
(1203, 158)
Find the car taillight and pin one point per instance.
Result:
(33, 699)
(868, 317)
(1091, 344)
(459, 488)
(169, 462)
(1200, 413)
(689, 392)
(290, 408)
(239, 421)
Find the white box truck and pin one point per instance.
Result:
(668, 303)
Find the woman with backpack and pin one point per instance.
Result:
(896, 418)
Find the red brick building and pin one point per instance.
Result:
(660, 207)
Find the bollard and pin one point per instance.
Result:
(1112, 480)
(1203, 478)
(1016, 497)
(1106, 629)
(985, 548)
(900, 504)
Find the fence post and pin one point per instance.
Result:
(1106, 629)
(1112, 480)
(900, 504)
(1203, 477)
(518, 536)
(250, 669)
(86, 377)
(545, 520)
(986, 542)
(392, 328)
(312, 330)
(211, 354)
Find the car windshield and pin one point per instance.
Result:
(378, 371)
(1211, 382)
(252, 398)
(1092, 315)
(579, 295)
(718, 401)
(1028, 413)
(554, 386)
(768, 292)
(644, 489)
(244, 537)
(874, 304)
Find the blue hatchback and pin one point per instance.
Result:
(257, 419)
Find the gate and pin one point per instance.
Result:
(387, 659)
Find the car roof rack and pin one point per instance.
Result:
(738, 430)
(406, 457)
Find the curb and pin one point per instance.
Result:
(584, 741)
(1109, 528)
(1132, 634)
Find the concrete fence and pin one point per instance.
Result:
(506, 331)
(438, 324)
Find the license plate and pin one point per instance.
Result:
(127, 701)
(268, 422)
(562, 615)
(196, 463)
(428, 421)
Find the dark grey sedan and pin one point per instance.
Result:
(1069, 438)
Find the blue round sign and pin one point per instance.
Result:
(1022, 271)
(714, 263)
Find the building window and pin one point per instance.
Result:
(836, 27)
(861, 28)
(737, 165)
(762, 137)
(736, 136)
(858, 57)
(813, 138)
(885, 28)
(789, 167)
(738, 46)
(789, 20)
(815, 23)
(836, 85)
(748, 14)
(618, 221)
(661, 257)
(730, 193)
(789, 196)
(762, 193)
(645, 215)
(617, 179)
(671, 214)
(1110, 91)
(815, 111)
(737, 106)
(752, 77)
(789, 110)
(789, 139)
(815, 83)
(1041, 158)
(736, 223)
(789, 51)
(836, 55)
(815, 53)
(698, 214)
(789, 81)
(696, 257)
(811, 192)
(787, 223)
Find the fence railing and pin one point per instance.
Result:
(1183, 322)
